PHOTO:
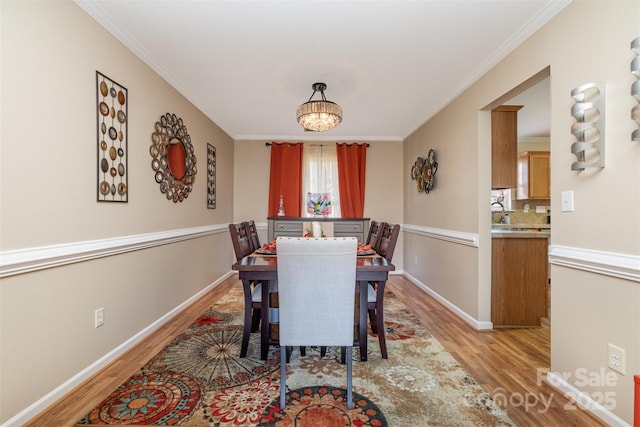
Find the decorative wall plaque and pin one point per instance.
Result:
(111, 107)
(424, 172)
(635, 87)
(173, 158)
(211, 176)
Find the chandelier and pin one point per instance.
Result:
(321, 115)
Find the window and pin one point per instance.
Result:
(503, 197)
(320, 175)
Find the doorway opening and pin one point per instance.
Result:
(529, 211)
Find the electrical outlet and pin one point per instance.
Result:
(415, 260)
(616, 359)
(99, 317)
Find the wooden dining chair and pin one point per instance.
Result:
(252, 290)
(252, 233)
(317, 297)
(388, 238)
(373, 238)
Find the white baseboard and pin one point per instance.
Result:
(585, 401)
(476, 324)
(59, 392)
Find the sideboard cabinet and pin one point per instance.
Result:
(295, 227)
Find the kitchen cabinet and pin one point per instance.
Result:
(519, 277)
(534, 175)
(294, 227)
(504, 146)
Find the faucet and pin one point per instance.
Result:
(499, 204)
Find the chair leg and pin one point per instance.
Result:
(372, 321)
(349, 377)
(255, 320)
(323, 351)
(283, 375)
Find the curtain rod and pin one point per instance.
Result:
(268, 144)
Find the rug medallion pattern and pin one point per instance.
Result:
(199, 380)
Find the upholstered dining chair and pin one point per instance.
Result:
(252, 290)
(388, 238)
(316, 280)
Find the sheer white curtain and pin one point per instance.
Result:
(320, 175)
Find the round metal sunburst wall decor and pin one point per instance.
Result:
(173, 158)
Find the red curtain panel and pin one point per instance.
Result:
(285, 178)
(352, 165)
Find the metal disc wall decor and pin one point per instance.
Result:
(173, 158)
(424, 171)
(635, 87)
(211, 176)
(111, 106)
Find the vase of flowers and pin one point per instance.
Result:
(318, 204)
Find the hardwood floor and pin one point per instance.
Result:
(504, 362)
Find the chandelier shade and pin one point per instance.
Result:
(321, 115)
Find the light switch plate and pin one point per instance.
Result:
(566, 201)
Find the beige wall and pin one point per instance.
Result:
(50, 54)
(47, 197)
(587, 42)
(383, 195)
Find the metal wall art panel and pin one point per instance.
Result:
(112, 119)
(635, 87)
(211, 176)
(589, 128)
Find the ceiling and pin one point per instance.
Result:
(391, 65)
(534, 119)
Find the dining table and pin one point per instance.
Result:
(263, 268)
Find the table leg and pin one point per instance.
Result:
(246, 284)
(264, 321)
(363, 320)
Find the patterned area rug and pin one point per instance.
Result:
(199, 380)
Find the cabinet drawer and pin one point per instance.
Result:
(347, 227)
(288, 226)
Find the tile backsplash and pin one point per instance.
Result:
(519, 216)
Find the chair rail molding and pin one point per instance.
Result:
(39, 258)
(623, 266)
(460, 237)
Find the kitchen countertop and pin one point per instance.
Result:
(520, 231)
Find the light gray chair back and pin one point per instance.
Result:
(316, 285)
